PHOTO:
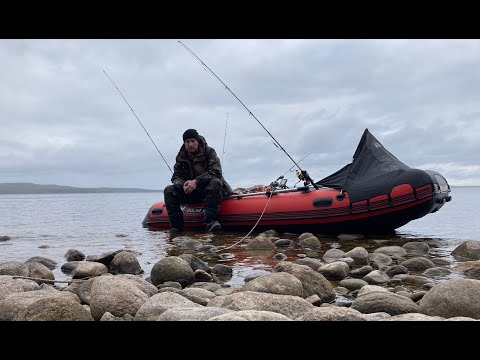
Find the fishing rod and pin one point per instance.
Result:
(303, 173)
(138, 120)
(223, 150)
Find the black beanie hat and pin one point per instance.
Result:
(190, 134)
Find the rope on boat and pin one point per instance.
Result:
(254, 226)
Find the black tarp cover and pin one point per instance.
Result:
(373, 171)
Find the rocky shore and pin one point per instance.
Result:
(391, 283)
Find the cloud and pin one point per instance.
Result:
(62, 121)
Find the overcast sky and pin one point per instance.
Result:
(63, 122)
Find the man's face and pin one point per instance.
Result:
(191, 145)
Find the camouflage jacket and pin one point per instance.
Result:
(205, 166)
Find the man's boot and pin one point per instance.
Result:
(176, 223)
(211, 223)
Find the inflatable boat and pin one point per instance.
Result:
(376, 193)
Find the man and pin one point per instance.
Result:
(197, 176)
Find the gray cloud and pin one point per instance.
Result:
(63, 122)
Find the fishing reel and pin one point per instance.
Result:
(307, 180)
(280, 183)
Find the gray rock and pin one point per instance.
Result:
(161, 302)
(418, 264)
(196, 263)
(13, 268)
(74, 255)
(359, 255)
(221, 269)
(332, 313)
(361, 272)
(333, 255)
(118, 296)
(310, 262)
(88, 269)
(395, 270)
(192, 314)
(395, 252)
(281, 283)
(312, 281)
(336, 270)
(353, 284)
(290, 306)
(468, 250)
(251, 315)
(125, 263)
(416, 248)
(470, 269)
(172, 268)
(54, 309)
(260, 243)
(379, 301)
(454, 297)
(49, 263)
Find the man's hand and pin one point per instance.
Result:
(189, 186)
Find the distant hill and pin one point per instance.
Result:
(30, 188)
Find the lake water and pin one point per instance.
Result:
(50, 224)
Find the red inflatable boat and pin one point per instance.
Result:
(375, 193)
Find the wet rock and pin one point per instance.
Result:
(379, 260)
(376, 277)
(49, 263)
(353, 284)
(74, 255)
(395, 252)
(196, 263)
(284, 243)
(4, 237)
(470, 269)
(418, 264)
(396, 269)
(416, 248)
(280, 256)
(260, 243)
(311, 242)
(68, 267)
(333, 255)
(437, 272)
(468, 250)
(201, 275)
(361, 272)
(221, 269)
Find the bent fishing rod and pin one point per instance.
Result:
(138, 119)
(305, 175)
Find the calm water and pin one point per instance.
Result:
(50, 224)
